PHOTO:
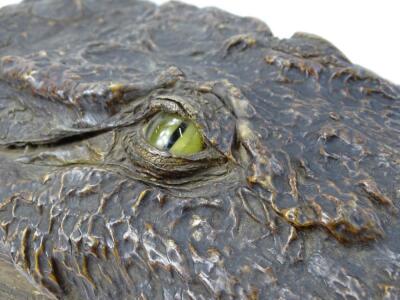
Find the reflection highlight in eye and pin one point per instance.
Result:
(170, 132)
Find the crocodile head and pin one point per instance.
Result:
(280, 177)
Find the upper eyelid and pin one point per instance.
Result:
(183, 105)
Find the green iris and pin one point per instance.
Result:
(170, 132)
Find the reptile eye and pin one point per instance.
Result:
(172, 133)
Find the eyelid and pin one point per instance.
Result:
(174, 104)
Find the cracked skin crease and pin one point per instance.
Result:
(295, 195)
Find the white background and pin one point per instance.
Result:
(368, 32)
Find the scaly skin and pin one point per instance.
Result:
(296, 195)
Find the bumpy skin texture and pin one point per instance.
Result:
(296, 196)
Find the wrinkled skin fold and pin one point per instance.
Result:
(296, 195)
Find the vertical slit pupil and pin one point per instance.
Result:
(172, 133)
(176, 135)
